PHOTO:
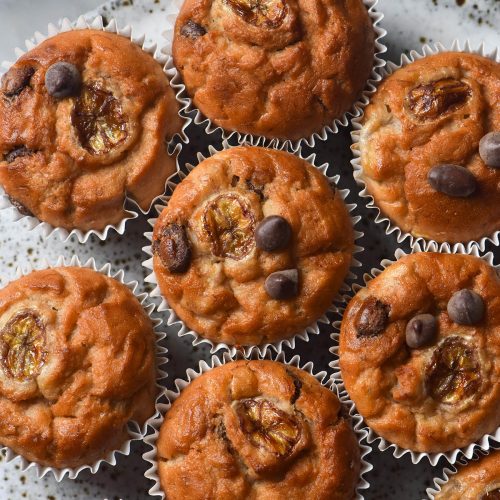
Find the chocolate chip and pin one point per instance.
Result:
(421, 330)
(20, 207)
(466, 307)
(256, 189)
(452, 180)
(373, 318)
(16, 153)
(63, 79)
(489, 149)
(173, 248)
(273, 233)
(192, 30)
(282, 285)
(234, 181)
(16, 79)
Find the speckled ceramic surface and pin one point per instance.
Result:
(409, 23)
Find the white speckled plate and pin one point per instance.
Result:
(409, 23)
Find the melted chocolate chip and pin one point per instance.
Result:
(17, 152)
(20, 207)
(16, 80)
(421, 331)
(256, 189)
(63, 79)
(373, 318)
(173, 248)
(193, 30)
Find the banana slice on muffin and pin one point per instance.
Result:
(253, 246)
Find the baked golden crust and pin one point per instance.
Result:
(474, 480)
(95, 369)
(391, 384)
(399, 147)
(223, 298)
(204, 451)
(58, 179)
(287, 76)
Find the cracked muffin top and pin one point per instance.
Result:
(253, 246)
(430, 147)
(420, 352)
(276, 68)
(478, 480)
(77, 364)
(257, 430)
(85, 118)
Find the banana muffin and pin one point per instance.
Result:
(430, 147)
(478, 480)
(420, 352)
(257, 429)
(77, 364)
(85, 118)
(276, 68)
(253, 246)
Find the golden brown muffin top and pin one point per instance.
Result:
(211, 224)
(478, 480)
(257, 430)
(429, 113)
(71, 160)
(277, 68)
(77, 364)
(426, 383)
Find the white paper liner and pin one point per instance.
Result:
(203, 367)
(314, 328)
(380, 218)
(448, 473)
(47, 230)
(383, 445)
(136, 432)
(199, 119)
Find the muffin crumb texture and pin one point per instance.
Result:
(257, 429)
(276, 68)
(85, 118)
(428, 378)
(77, 365)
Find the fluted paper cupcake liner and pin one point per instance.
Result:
(380, 218)
(199, 119)
(313, 329)
(383, 444)
(136, 431)
(204, 367)
(131, 208)
(449, 472)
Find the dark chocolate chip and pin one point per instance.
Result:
(193, 30)
(63, 79)
(373, 318)
(256, 189)
(16, 79)
(234, 181)
(282, 285)
(20, 207)
(273, 233)
(16, 153)
(452, 180)
(173, 248)
(466, 307)
(421, 330)
(489, 149)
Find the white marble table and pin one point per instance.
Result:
(409, 23)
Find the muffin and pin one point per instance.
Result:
(257, 429)
(276, 68)
(478, 480)
(85, 118)
(253, 246)
(77, 364)
(420, 352)
(430, 147)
